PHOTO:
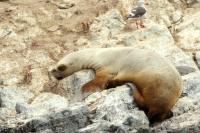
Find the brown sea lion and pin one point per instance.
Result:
(158, 82)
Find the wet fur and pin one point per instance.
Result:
(158, 83)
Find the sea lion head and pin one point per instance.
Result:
(58, 72)
(64, 68)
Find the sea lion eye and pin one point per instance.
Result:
(62, 67)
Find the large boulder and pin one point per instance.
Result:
(10, 96)
(63, 121)
(188, 32)
(116, 107)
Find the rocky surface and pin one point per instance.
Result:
(35, 34)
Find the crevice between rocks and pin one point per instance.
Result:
(194, 57)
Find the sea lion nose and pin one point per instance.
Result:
(55, 74)
(52, 71)
(59, 78)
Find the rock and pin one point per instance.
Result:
(10, 96)
(167, 21)
(187, 122)
(64, 121)
(197, 55)
(189, 102)
(188, 32)
(24, 17)
(73, 84)
(117, 107)
(65, 5)
(53, 28)
(97, 127)
(49, 102)
(184, 105)
(114, 112)
(38, 78)
(176, 17)
(6, 113)
(106, 26)
(23, 108)
(3, 0)
(184, 70)
(191, 2)
(46, 131)
(38, 37)
(163, 44)
(5, 31)
(43, 104)
(109, 26)
(179, 58)
(1, 82)
(9, 75)
(192, 85)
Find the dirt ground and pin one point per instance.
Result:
(35, 34)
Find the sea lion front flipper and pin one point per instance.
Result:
(98, 84)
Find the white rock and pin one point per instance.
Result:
(50, 102)
(6, 113)
(106, 25)
(10, 96)
(73, 84)
(176, 17)
(116, 108)
(188, 32)
(198, 59)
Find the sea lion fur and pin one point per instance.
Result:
(158, 83)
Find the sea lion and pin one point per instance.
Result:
(158, 83)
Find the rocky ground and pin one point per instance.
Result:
(35, 34)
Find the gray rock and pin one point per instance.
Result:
(10, 96)
(43, 104)
(73, 84)
(197, 56)
(185, 123)
(191, 2)
(184, 70)
(46, 131)
(106, 26)
(49, 102)
(5, 31)
(164, 43)
(176, 17)
(23, 108)
(65, 5)
(188, 32)
(184, 105)
(6, 113)
(34, 37)
(101, 126)
(192, 85)
(65, 121)
(190, 100)
(117, 106)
